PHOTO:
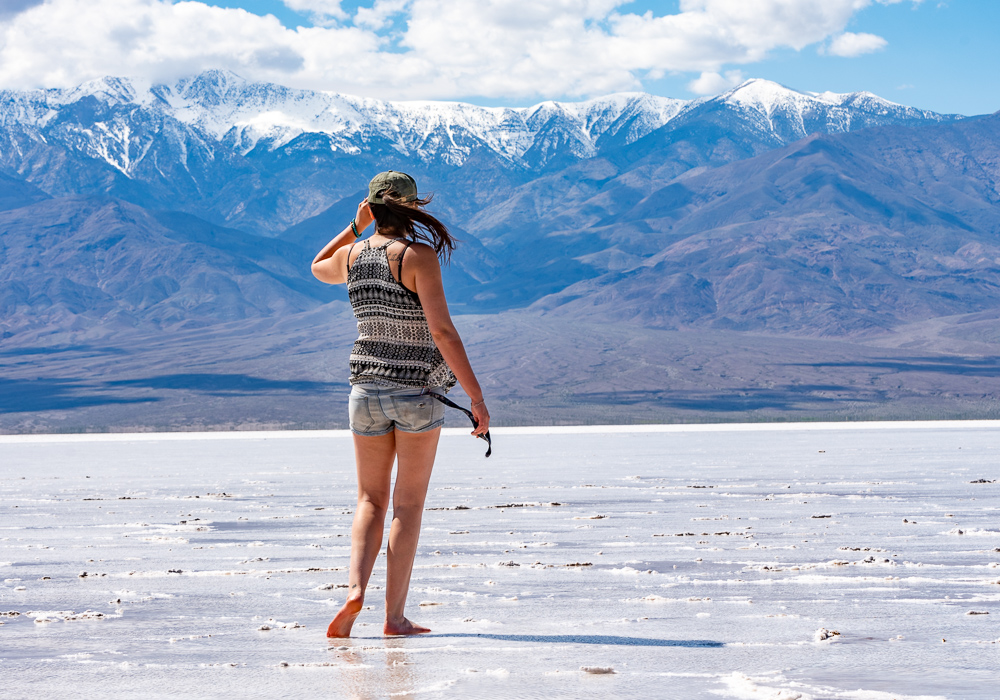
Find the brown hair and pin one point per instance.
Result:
(410, 220)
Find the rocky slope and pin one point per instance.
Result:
(766, 209)
(833, 235)
(263, 157)
(83, 263)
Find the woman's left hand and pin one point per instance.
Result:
(482, 416)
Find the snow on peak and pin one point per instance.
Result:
(226, 105)
(210, 86)
(766, 96)
(790, 114)
(111, 89)
(246, 115)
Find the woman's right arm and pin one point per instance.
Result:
(330, 264)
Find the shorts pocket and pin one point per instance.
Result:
(414, 414)
(359, 414)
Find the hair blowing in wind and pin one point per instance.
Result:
(409, 219)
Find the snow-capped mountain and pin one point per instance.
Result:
(245, 115)
(242, 116)
(182, 205)
(791, 115)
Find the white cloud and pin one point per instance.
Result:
(421, 49)
(713, 83)
(377, 16)
(322, 8)
(850, 44)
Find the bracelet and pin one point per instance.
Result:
(479, 402)
(354, 227)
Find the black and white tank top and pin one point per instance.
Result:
(394, 346)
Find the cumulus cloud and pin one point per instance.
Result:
(379, 15)
(421, 49)
(321, 8)
(713, 83)
(850, 44)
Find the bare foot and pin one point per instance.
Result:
(342, 623)
(402, 627)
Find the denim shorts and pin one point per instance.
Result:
(377, 410)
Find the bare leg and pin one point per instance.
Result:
(374, 456)
(416, 453)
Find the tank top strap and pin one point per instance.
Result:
(399, 271)
(349, 251)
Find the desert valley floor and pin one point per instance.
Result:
(803, 561)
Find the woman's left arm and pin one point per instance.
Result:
(330, 264)
(427, 282)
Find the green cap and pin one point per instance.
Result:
(402, 184)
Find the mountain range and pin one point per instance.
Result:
(128, 208)
(842, 235)
(262, 157)
(561, 194)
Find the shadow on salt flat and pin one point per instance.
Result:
(784, 397)
(603, 639)
(226, 384)
(22, 395)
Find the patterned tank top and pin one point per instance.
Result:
(394, 346)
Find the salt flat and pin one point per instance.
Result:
(696, 562)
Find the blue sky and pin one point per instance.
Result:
(942, 56)
(933, 55)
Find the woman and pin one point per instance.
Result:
(407, 347)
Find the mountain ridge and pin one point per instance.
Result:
(739, 261)
(244, 113)
(603, 187)
(838, 234)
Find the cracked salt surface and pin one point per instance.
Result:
(213, 566)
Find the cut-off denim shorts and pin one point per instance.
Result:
(377, 410)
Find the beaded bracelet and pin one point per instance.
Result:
(354, 227)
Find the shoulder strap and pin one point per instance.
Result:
(399, 272)
(349, 255)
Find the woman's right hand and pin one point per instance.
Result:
(364, 215)
(482, 416)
